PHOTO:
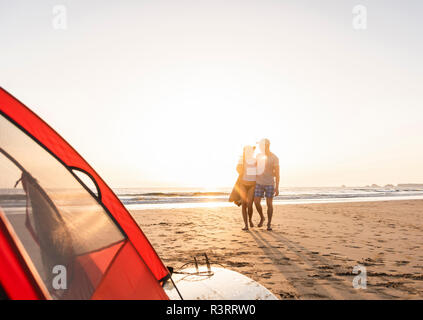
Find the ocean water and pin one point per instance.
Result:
(159, 198)
(138, 199)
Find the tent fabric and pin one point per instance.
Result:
(58, 245)
(126, 278)
(152, 266)
(14, 272)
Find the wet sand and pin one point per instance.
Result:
(312, 250)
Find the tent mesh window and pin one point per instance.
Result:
(71, 240)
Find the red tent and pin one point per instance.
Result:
(54, 221)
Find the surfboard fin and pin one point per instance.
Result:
(208, 263)
(196, 265)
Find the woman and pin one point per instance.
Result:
(247, 168)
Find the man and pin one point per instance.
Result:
(267, 181)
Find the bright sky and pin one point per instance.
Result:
(166, 93)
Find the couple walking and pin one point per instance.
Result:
(258, 178)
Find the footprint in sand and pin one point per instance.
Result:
(287, 295)
(402, 262)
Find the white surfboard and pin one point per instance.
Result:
(220, 284)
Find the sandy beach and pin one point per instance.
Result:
(312, 250)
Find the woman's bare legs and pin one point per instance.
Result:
(243, 194)
(250, 198)
(245, 215)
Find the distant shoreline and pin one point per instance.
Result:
(139, 199)
(187, 205)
